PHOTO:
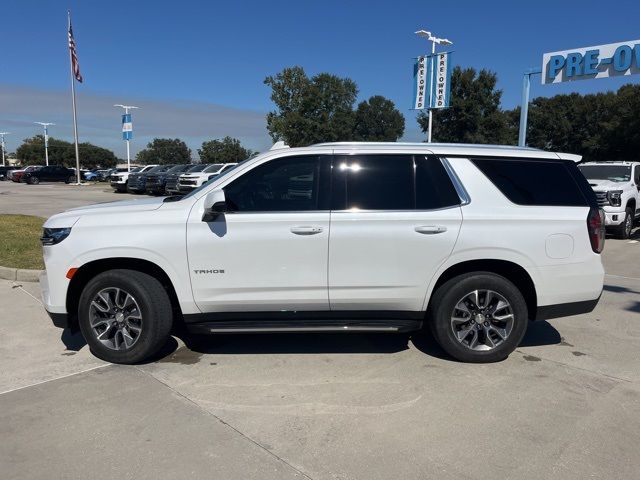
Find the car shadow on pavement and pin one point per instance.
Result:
(538, 334)
(635, 306)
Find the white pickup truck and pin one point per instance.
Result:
(617, 187)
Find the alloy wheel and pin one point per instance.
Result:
(115, 318)
(482, 320)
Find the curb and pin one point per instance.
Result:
(20, 275)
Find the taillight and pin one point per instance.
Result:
(596, 229)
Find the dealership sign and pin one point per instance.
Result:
(432, 81)
(603, 61)
(127, 127)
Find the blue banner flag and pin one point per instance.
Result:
(127, 127)
(421, 83)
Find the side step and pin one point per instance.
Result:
(271, 326)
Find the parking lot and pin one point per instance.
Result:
(565, 405)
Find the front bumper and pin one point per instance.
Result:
(614, 218)
(57, 313)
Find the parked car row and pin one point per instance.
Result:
(167, 179)
(34, 174)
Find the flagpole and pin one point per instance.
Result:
(73, 102)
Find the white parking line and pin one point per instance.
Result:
(57, 378)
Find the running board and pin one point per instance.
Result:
(292, 326)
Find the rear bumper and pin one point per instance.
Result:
(548, 312)
(60, 320)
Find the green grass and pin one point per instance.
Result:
(20, 241)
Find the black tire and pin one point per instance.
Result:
(624, 230)
(34, 181)
(71, 179)
(448, 295)
(155, 309)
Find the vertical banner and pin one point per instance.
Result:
(127, 127)
(442, 81)
(421, 82)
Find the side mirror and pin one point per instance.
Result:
(215, 205)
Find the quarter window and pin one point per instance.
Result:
(534, 182)
(289, 184)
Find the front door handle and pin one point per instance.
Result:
(306, 230)
(431, 229)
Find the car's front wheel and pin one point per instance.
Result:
(125, 316)
(478, 317)
(625, 228)
(34, 181)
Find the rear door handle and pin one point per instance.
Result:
(306, 230)
(430, 229)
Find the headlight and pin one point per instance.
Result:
(615, 197)
(53, 236)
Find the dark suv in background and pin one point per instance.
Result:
(51, 173)
(171, 186)
(157, 181)
(4, 171)
(138, 181)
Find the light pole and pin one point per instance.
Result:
(46, 140)
(128, 133)
(2, 134)
(434, 40)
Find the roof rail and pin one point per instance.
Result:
(279, 145)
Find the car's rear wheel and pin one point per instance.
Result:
(478, 317)
(71, 179)
(34, 181)
(125, 316)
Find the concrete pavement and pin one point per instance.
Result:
(565, 405)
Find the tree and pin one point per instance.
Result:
(227, 150)
(378, 120)
(63, 153)
(165, 151)
(313, 110)
(474, 115)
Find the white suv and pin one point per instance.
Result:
(617, 187)
(120, 181)
(471, 240)
(191, 180)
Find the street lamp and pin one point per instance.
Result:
(434, 40)
(126, 112)
(46, 140)
(2, 134)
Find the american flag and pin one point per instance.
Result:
(74, 55)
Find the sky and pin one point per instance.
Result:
(196, 68)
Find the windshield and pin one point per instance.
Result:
(177, 168)
(204, 185)
(159, 168)
(213, 168)
(198, 168)
(614, 173)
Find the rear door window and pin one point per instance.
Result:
(373, 182)
(391, 182)
(534, 182)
